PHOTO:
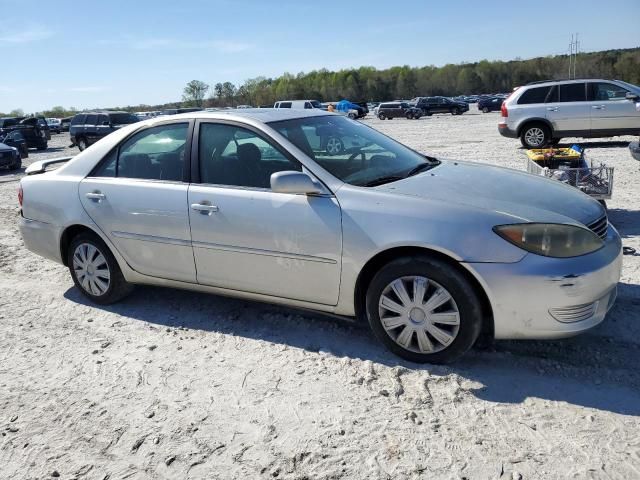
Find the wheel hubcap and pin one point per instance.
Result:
(333, 146)
(534, 136)
(91, 269)
(419, 314)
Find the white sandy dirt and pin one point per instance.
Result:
(173, 384)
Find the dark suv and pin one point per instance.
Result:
(431, 105)
(87, 128)
(390, 110)
(30, 128)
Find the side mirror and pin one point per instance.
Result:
(632, 96)
(294, 182)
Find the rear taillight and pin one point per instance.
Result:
(20, 195)
(503, 110)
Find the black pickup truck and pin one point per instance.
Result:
(34, 134)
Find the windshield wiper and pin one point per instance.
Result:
(382, 180)
(423, 167)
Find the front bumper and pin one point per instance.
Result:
(528, 297)
(41, 238)
(505, 131)
(8, 158)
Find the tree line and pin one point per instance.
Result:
(405, 82)
(401, 82)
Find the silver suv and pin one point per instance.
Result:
(541, 113)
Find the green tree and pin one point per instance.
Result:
(195, 92)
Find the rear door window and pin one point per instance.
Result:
(155, 153)
(573, 92)
(534, 95)
(91, 120)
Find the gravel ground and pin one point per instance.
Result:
(174, 384)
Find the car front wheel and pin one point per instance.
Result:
(382, 116)
(535, 136)
(423, 310)
(455, 111)
(334, 146)
(82, 144)
(95, 270)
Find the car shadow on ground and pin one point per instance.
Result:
(592, 370)
(595, 144)
(627, 222)
(4, 172)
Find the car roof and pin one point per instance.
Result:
(568, 80)
(101, 112)
(263, 115)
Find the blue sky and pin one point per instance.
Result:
(114, 52)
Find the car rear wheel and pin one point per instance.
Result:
(455, 111)
(334, 146)
(382, 116)
(82, 143)
(485, 109)
(535, 135)
(95, 270)
(409, 116)
(423, 310)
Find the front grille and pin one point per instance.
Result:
(599, 227)
(575, 313)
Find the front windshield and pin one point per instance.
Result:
(354, 153)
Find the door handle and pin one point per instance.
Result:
(598, 107)
(95, 196)
(203, 208)
(552, 109)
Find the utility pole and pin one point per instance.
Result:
(575, 56)
(574, 45)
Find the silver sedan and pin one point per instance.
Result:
(249, 203)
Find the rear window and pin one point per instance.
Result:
(78, 120)
(122, 118)
(284, 105)
(573, 92)
(534, 95)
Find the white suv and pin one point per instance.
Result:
(541, 113)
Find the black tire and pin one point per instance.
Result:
(17, 165)
(485, 110)
(462, 293)
(409, 116)
(118, 287)
(81, 143)
(428, 113)
(382, 116)
(42, 146)
(455, 111)
(540, 130)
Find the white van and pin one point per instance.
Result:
(298, 104)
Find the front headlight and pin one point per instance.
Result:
(551, 239)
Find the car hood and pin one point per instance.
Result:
(520, 195)
(4, 147)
